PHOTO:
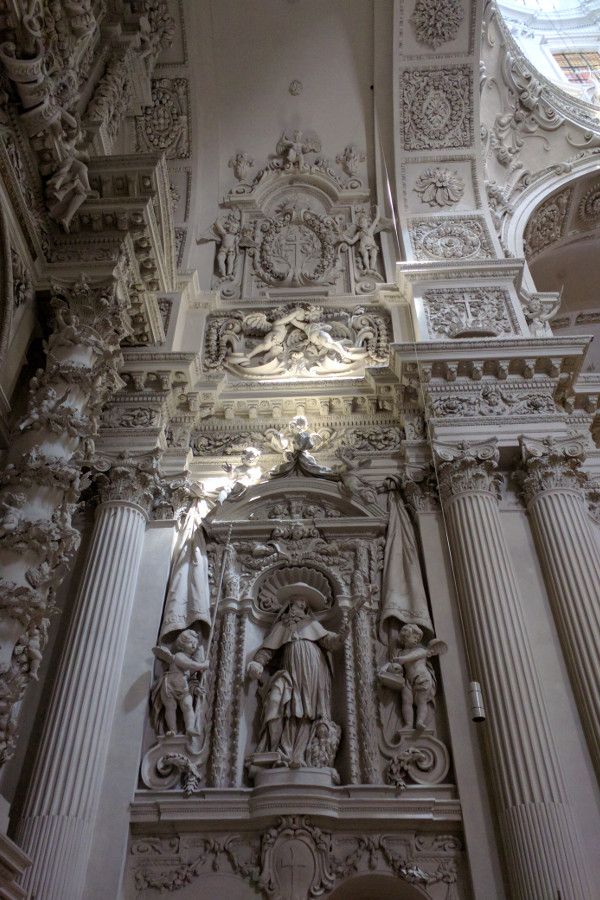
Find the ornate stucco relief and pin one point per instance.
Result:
(437, 108)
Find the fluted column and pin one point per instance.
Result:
(552, 485)
(57, 824)
(543, 856)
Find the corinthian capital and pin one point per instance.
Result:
(131, 479)
(551, 464)
(467, 467)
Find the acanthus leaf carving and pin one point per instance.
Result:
(552, 463)
(467, 466)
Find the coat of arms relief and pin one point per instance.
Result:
(302, 221)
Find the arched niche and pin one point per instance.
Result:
(377, 887)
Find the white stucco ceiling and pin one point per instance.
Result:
(241, 59)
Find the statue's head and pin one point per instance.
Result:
(250, 456)
(297, 608)
(299, 423)
(410, 635)
(187, 641)
(297, 135)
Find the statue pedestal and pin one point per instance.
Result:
(306, 776)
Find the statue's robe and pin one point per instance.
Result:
(188, 595)
(299, 692)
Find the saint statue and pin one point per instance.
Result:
(296, 699)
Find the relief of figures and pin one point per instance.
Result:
(297, 340)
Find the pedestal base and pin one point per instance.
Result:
(307, 775)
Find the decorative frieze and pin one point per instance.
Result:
(492, 400)
(295, 858)
(296, 340)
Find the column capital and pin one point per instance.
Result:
(130, 479)
(551, 463)
(467, 467)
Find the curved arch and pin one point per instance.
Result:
(315, 490)
(515, 222)
(324, 186)
(377, 886)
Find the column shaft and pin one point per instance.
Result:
(58, 820)
(543, 856)
(571, 562)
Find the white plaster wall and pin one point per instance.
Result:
(248, 54)
(105, 870)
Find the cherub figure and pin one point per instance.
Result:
(33, 648)
(350, 480)
(365, 229)
(172, 689)
(69, 186)
(539, 313)
(246, 473)
(275, 333)
(297, 439)
(293, 148)
(413, 675)
(226, 232)
(323, 743)
(49, 406)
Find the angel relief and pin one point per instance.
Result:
(293, 148)
(297, 340)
